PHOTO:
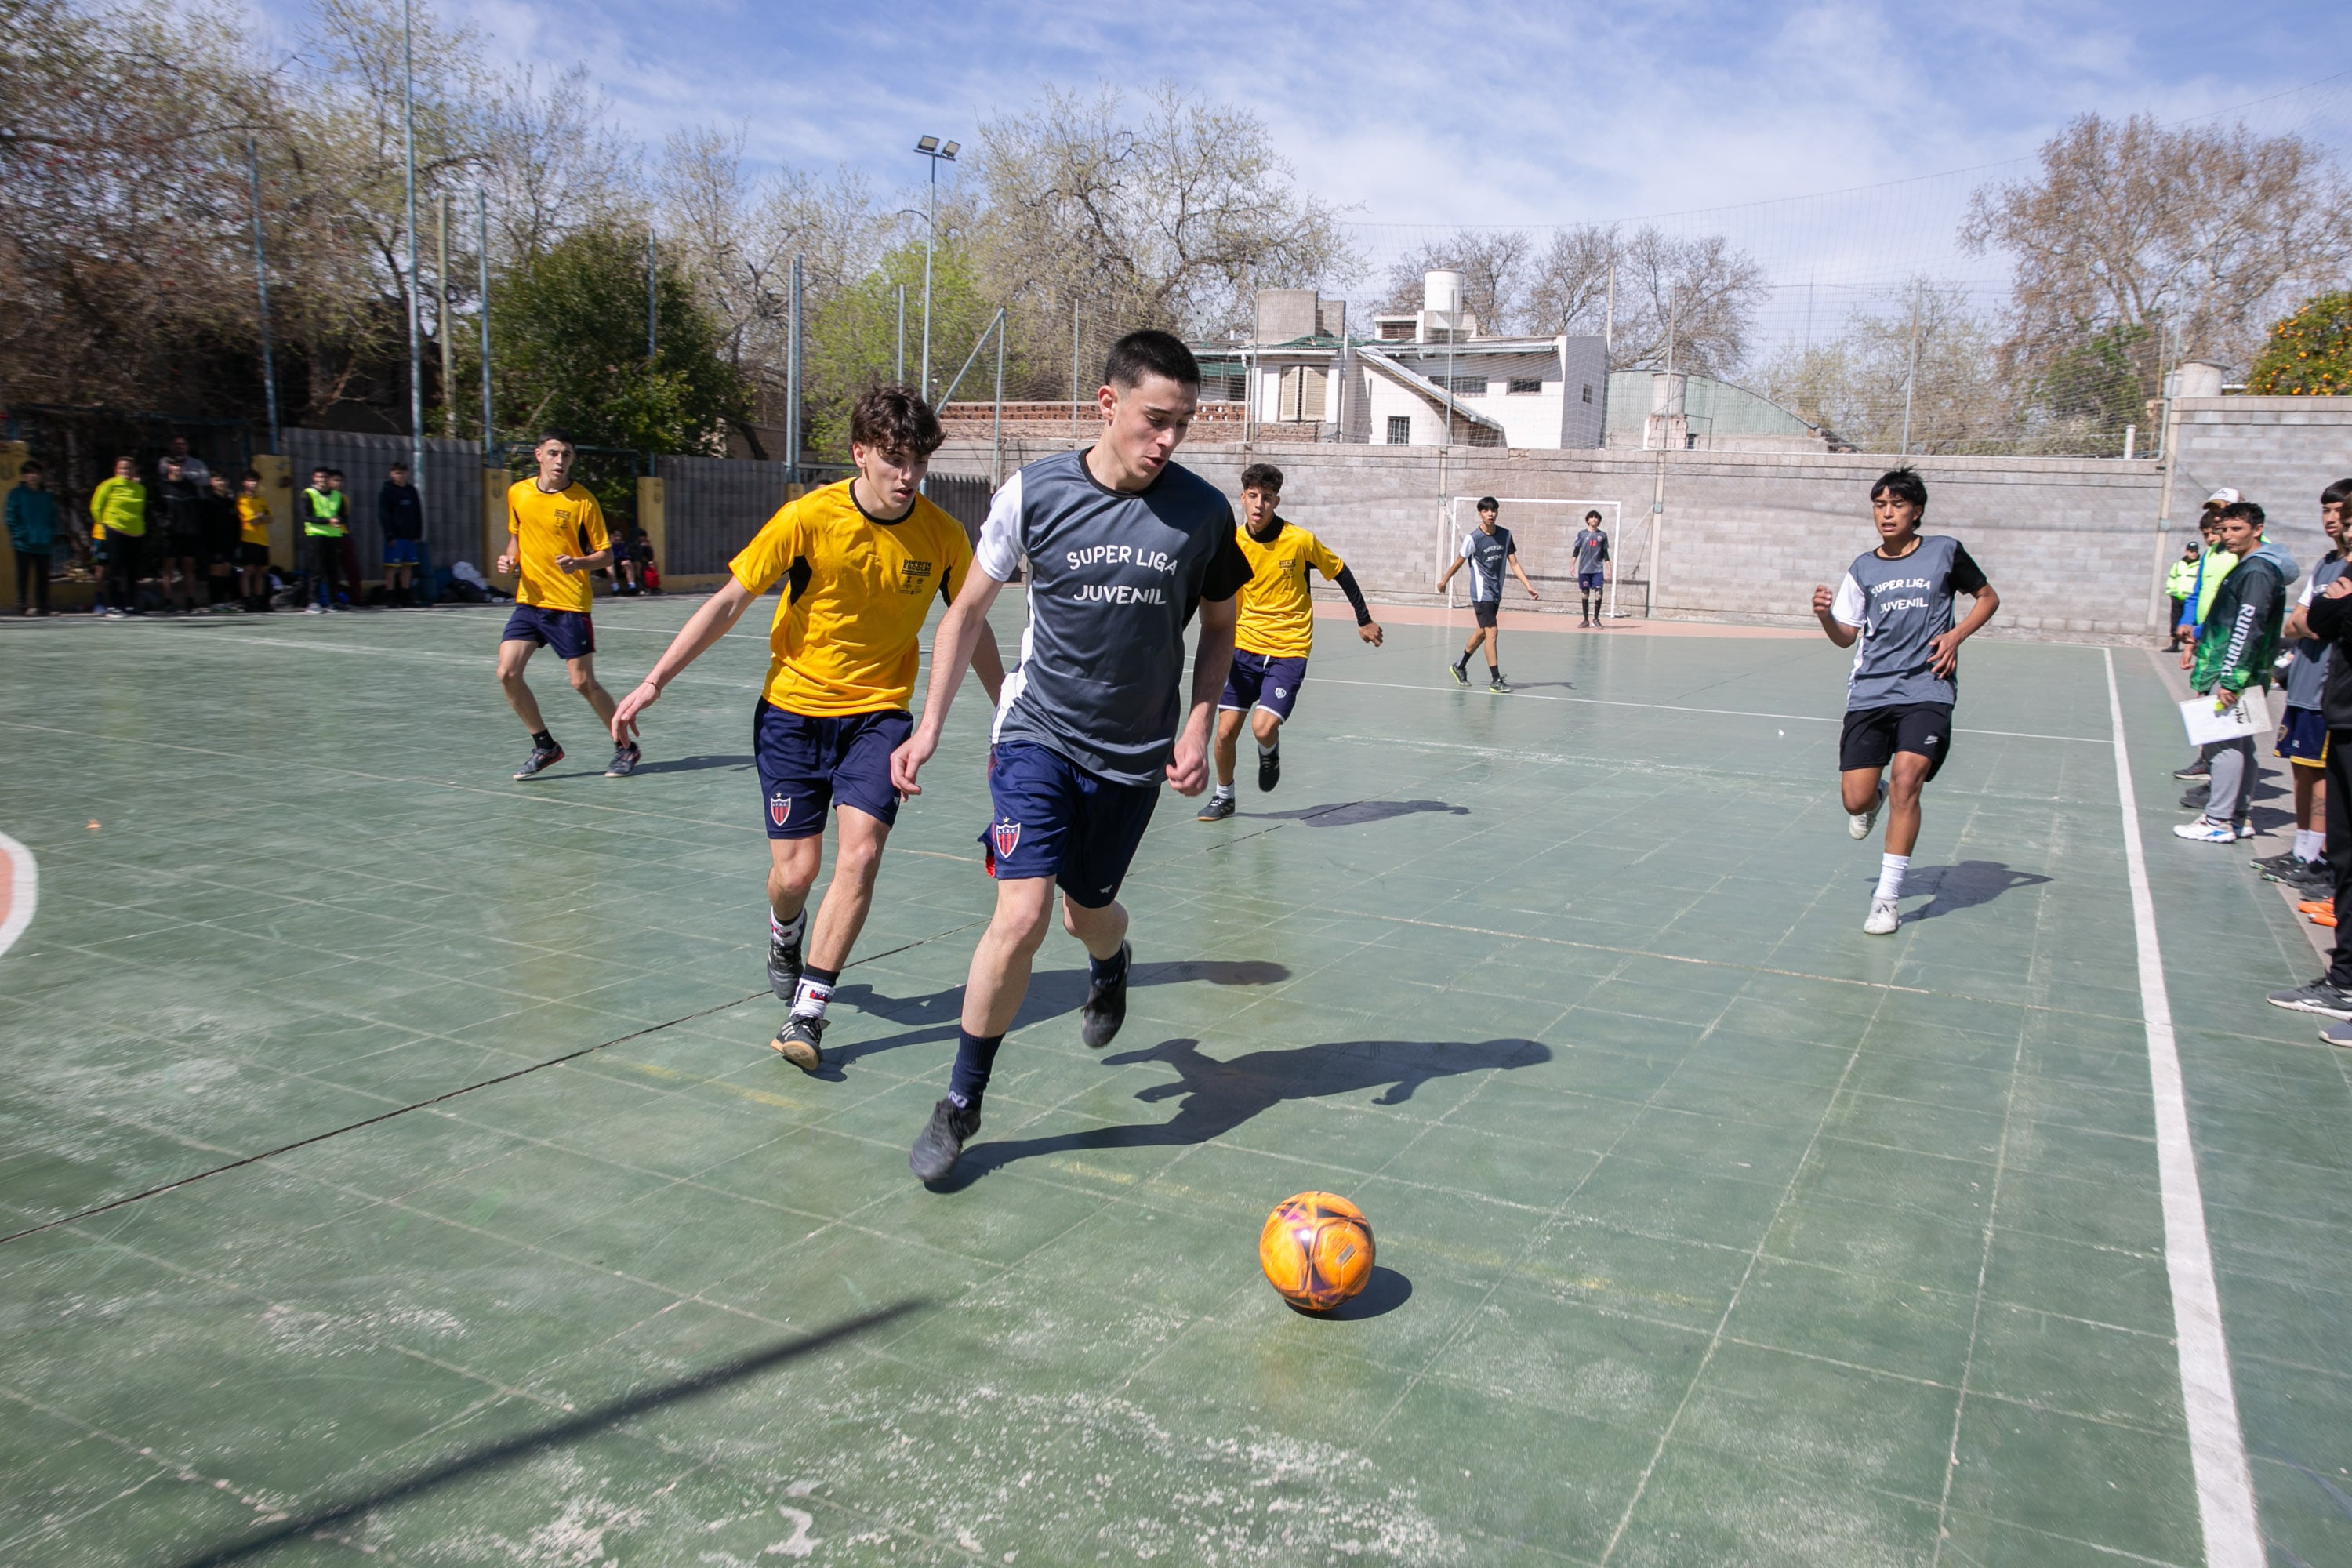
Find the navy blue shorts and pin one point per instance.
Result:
(809, 764)
(568, 632)
(1054, 819)
(2303, 737)
(1590, 581)
(400, 553)
(1262, 680)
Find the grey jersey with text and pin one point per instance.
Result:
(1592, 547)
(1902, 607)
(1489, 555)
(1113, 579)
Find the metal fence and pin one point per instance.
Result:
(453, 488)
(712, 507)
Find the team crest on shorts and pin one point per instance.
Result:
(780, 809)
(1282, 692)
(1007, 836)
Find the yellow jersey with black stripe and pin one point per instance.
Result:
(856, 589)
(253, 519)
(1277, 614)
(567, 522)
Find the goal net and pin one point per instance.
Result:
(1542, 530)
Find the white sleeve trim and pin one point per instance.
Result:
(2303, 602)
(998, 553)
(1851, 606)
(1465, 550)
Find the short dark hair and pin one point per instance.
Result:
(127, 457)
(253, 474)
(335, 473)
(30, 466)
(1261, 477)
(399, 468)
(1592, 517)
(554, 434)
(1488, 503)
(1903, 484)
(2336, 494)
(320, 469)
(1149, 352)
(2243, 509)
(892, 419)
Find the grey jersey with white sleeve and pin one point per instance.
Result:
(1489, 555)
(2307, 677)
(1901, 606)
(1114, 577)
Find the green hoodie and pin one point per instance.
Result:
(119, 506)
(2240, 636)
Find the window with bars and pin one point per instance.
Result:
(1400, 429)
(1521, 385)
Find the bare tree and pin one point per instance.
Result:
(1924, 364)
(2203, 232)
(1569, 289)
(1492, 263)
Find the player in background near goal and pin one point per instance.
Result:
(555, 537)
(1123, 545)
(861, 561)
(1897, 602)
(1590, 547)
(1489, 548)
(1275, 634)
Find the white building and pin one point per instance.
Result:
(1420, 377)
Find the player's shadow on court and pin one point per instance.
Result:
(694, 764)
(1967, 884)
(1052, 993)
(1356, 813)
(1219, 1096)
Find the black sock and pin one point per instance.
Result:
(975, 1059)
(542, 740)
(1107, 970)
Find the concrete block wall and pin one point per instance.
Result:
(2279, 451)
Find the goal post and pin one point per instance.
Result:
(1543, 539)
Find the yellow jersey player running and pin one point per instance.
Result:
(861, 561)
(555, 538)
(1276, 633)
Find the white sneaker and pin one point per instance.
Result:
(312, 610)
(1885, 916)
(1859, 826)
(2206, 832)
(2246, 827)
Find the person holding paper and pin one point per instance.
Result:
(2235, 646)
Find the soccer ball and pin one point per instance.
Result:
(1317, 1250)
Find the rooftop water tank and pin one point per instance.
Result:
(1442, 292)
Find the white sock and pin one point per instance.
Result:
(2310, 844)
(1225, 792)
(808, 1000)
(792, 928)
(1890, 875)
(1264, 747)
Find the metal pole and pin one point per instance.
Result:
(1910, 370)
(441, 330)
(899, 370)
(408, 155)
(1608, 324)
(261, 286)
(792, 383)
(930, 240)
(482, 260)
(1073, 369)
(997, 466)
(653, 336)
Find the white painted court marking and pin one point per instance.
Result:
(23, 891)
(2217, 1447)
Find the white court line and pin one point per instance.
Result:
(2217, 1447)
(23, 891)
(1672, 708)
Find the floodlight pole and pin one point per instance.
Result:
(482, 260)
(653, 337)
(1910, 369)
(792, 382)
(409, 156)
(898, 374)
(441, 326)
(261, 286)
(937, 152)
(1073, 369)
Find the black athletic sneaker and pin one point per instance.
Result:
(801, 1041)
(2284, 860)
(1461, 672)
(2195, 799)
(1269, 768)
(940, 1144)
(1219, 807)
(1499, 683)
(2193, 770)
(1105, 1007)
(784, 962)
(624, 761)
(2318, 997)
(540, 760)
(2310, 875)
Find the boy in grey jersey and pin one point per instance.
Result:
(2302, 728)
(1590, 547)
(1489, 550)
(1896, 603)
(1122, 546)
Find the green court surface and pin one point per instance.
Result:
(1712, 1230)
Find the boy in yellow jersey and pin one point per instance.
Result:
(1276, 632)
(253, 520)
(555, 537)
(861, 561)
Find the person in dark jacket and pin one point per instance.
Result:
(400, 512)
(2329, 620)
(2236, 646)
(217, 509)
(32, 533)
(182, 506)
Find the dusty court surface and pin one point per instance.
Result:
(1712, 1231)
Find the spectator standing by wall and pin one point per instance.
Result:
(218, 510)
(193, 468)
(2303, 729)
(400, 514)
(182, 534)
(118, 515)
(322, 534)
(2329, 619)
(2235, 648)
(2178, 583)
(32, 518)
(253, 520)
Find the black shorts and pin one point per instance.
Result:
(1873, 735)
(181, 545)
(253, 555)
(1487, 612)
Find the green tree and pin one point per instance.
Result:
(2308, 354)
(853, 340)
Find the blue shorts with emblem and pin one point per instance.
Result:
(1260, 680)
(400, 553)
(808, 764)
(2303, 737)
(568, 632)
(1590, 581)
(1053, 818)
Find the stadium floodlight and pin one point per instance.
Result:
(937, 153)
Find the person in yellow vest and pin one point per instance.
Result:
(862, 561)
(322, 535)
(555, 538)
(1276, 632)
(118, 515)
(253, 520)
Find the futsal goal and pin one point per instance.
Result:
(1542, 530)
